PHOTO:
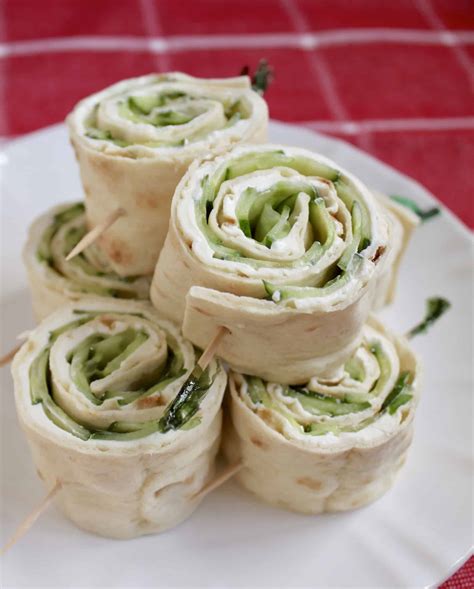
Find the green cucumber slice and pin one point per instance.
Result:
(319, 404)
(353, 246)
(301, 292)
(399, 395)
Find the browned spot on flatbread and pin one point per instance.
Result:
(105, 166)
(148, 402)
(117, 251)
(202, 312)
(107, 321)
(257, 442)
(312, 484)
(189, 480)
(264, 413)
(311, 329)
(146, 200)
(357, 503)
(378, 254)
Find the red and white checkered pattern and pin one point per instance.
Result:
(395, 78)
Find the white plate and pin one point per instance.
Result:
(414, 536)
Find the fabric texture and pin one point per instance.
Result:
(419, 117)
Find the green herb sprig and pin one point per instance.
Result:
(186, 403)
(435, 308)
(262, 77)
(423, 215)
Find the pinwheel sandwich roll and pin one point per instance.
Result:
(55, 281)
(402, 223)
(97, 390)
(327, 445)
(134, 141)
(282, 247)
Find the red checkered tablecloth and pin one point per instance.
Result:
(393, 77)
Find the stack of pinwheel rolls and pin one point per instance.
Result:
(98, 383)
(133, 141)
(291, 253)
(280, 245)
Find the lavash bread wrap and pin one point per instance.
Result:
(96, 390)
(327, 445)
(402, 223)
(281, 246)
(135, 140)
(54, 280)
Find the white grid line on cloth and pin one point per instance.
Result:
(322, 70)
(153, 29)
(427, 11)
(307, 41)
(317, 63)
(391, 125)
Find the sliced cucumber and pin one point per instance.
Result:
(353, 246)
(318, 404)
(63, 421)
(321, 222)
(355, 369)
(346, 193)
(144, 104)
(147, 429)
(399, 395)
(38, 376)
(280, 230)
(301, 292)
(171, 117)
(385, 368)
(82, 369)
(271, 159)
(128, 346)
(256, 390)
(234, 119)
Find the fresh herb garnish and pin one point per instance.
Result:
(186, 403)
(435, 308)
(262, 77)
(424, 215)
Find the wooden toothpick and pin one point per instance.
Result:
(209, 353)
(225, 475)
(94, 234)
(28, 522)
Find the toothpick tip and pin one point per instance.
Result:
(94, 234)
(230, 471)
(28, 522)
